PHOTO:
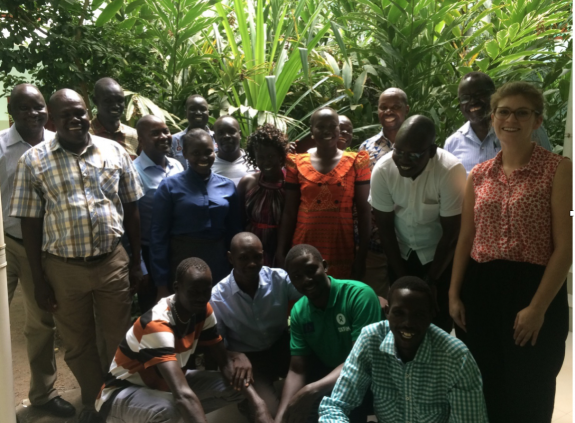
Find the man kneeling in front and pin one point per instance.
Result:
(147, 382)
(416, 371)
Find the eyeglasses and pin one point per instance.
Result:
(466, 98)
(410, 156)
(522, 114)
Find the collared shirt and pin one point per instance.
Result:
(178, 145)
(441, 384)
(467, 147)
(12, 146)
(79, 196)
(125, 136)
(418, 204)
(187, 205)
(151, 175)
(377, 147)
(253, 324)
(512, 214)
(330, 333)
(235, 170)
(153, 339)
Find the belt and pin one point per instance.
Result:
(90, 259)
(18, 240)
(263, 225)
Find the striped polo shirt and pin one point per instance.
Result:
(155, 339)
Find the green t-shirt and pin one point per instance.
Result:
(330, 333)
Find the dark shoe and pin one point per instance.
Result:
(57, 407)
(89, 416)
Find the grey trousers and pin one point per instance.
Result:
(137, 404)
(39, 328)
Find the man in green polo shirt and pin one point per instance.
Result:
(325, 324)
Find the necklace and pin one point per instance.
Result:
(178, 316)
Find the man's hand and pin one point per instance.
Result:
(44, 295)
(300, 405)
(527, 325)
(136, 277)
(241, 370)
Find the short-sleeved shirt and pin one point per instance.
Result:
(151, 175)
(377, 147)
(467, 147)
(178, 145)
(126, 136)
(253, 324)
(513, 214)
(418, 204)
(79, 196)
(153, 339)
(441, 384)
(330, 333)
(12, 147)
(235, 170)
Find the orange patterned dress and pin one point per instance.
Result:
(325, 217)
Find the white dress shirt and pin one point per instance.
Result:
(418, 204)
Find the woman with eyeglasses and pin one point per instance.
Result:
(514, 251)
(322, 187)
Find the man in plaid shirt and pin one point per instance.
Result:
(74, 195)
(416, 371)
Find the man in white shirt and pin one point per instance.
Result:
(28, 109)
(417, 194)
(230, 159)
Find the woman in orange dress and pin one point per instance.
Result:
(321, 189)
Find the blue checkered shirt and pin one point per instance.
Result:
(79, 196)
(442, 384)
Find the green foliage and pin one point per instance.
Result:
(279, 60)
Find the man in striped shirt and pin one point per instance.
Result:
(147, 380)
(416, 372)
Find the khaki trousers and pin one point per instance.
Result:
(83, 290)
(376, 274)
(38, 329)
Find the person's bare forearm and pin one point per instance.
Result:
(293, 383)
(190, 407)
(325, 385)
(443, 256)
(132, 227)
(32, 229)
(364, 228)
(390, 244)
(460, 262)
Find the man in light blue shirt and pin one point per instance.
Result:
(197, 113)
(476, 142)
(416, 372)
(28, 109)
(252, 307)
(153, 166)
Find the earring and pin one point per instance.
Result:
(312, 137)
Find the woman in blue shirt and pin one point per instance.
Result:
(196, 213)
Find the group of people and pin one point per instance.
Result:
(341, 273)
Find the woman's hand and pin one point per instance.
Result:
(457, 312)
(527, 325)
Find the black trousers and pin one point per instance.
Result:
(414, 268)
(518, 382)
